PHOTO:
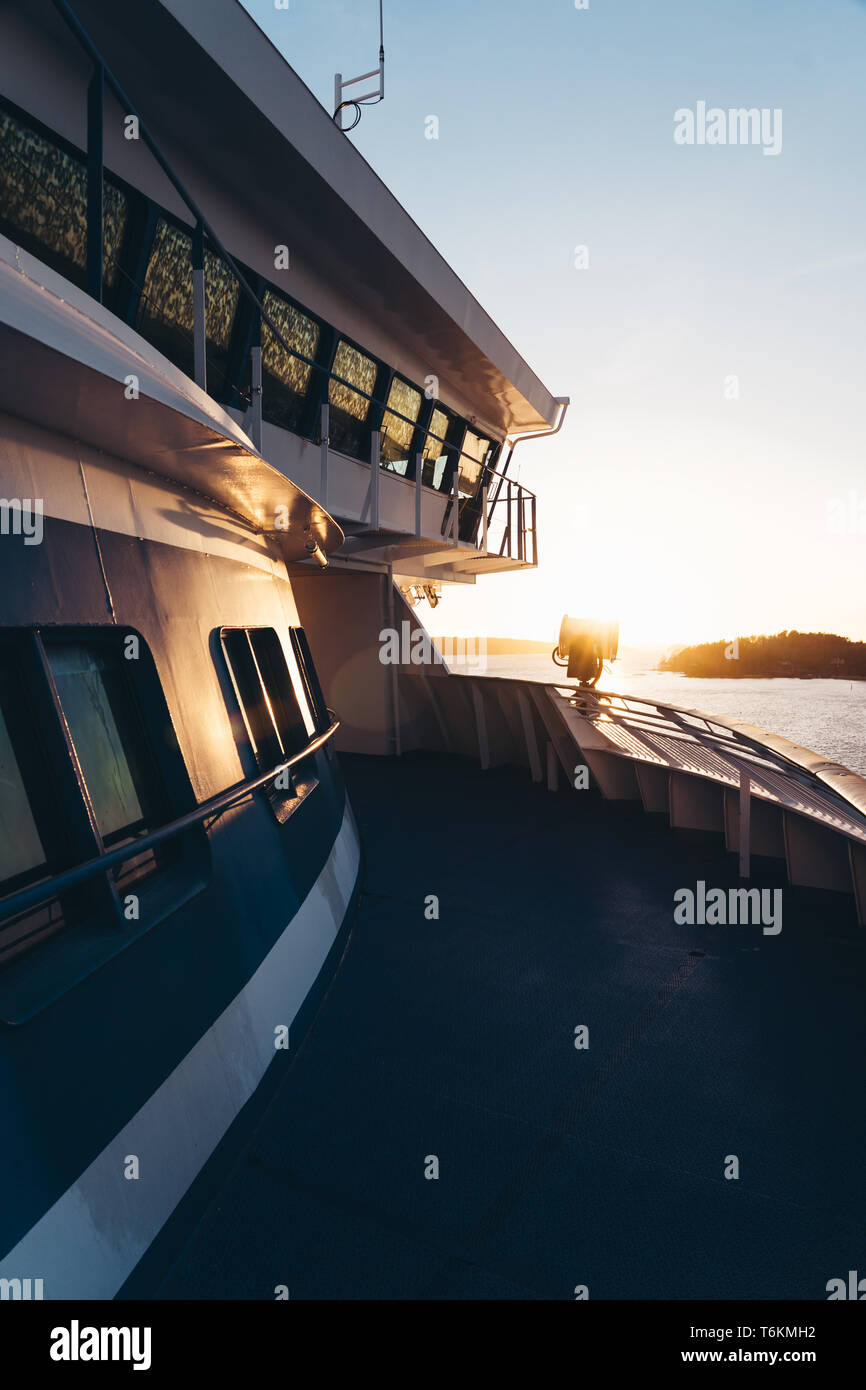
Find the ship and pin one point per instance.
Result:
(326, 974)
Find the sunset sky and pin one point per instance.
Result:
(685, 514)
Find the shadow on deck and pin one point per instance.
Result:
(558, 1167)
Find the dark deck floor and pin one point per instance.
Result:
(558, 1167)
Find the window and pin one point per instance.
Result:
(309, 675)
(21, 853)
(397, 432)
(165, 314)
(86, 766)
(274, 707)
(349, 409)
(473, 456)
(286, 378)
(23, 859)
(435, 451)
(111, 746)
(43, 203)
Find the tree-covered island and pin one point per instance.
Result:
(804, 654)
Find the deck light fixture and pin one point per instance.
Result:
(584, 645)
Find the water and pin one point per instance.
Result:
(828, 716)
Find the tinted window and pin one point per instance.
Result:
(397, 431)
(435, 453)
(43, 202)
(266, 694)
(165, 315)
(286, 378)
(473, 455)
(108, 739)
(87, 764)
(306, 665)
(349, 409)
(22, 856)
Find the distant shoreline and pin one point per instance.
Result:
(786, 656)
(792, 655)
(754, 675)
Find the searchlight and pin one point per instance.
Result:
(584, 645)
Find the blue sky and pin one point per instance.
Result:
(687, 514)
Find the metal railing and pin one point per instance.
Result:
(28, 899)
(707, 745)
(514, 526)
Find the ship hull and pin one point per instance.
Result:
(148, 1044)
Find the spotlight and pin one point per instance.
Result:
(316, 553)
(584, 645)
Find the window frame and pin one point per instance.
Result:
(92, 926)
(283, 800)
(116, 297)
(413, 438)
(229, 385)
(308, 422)
(309, 675)
(126, 299)
(372, 419)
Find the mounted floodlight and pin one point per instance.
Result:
(584, 645)
(316, 553)
(368, 98)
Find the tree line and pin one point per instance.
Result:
(784, 654)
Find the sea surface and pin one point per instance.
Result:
(828, 716)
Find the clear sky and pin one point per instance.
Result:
(666, 502)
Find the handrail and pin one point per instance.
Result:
(42, 893)
(820, 772)
(809, 768)
(837, 784)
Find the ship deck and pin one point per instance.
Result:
(558, 1166)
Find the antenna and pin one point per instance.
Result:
(370, 98)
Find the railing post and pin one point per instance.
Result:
(534, 533)
(375, 443)
(95, 181)
(508, 527)
(419, 470)
(484, 492)
(324, 431)
(745, 824)
(199, 309)
(552, 768)
(256, 395)
(521, 534)
(455, 505)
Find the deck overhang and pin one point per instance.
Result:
(71, 366)
(225, 103)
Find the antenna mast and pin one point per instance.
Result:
(376, 94)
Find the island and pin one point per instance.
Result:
(803, 654)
